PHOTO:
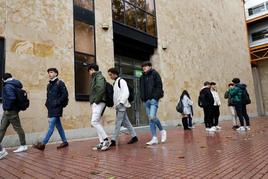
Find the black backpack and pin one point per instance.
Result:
(109, 91)
(245, 99)
(22, 99)
(179, 107)
(131, 92)
(61, 84)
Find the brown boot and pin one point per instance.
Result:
(39, 146)
(62, 145)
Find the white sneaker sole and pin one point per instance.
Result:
(4, 155)
(18, 151)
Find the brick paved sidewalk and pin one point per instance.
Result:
(189, 154)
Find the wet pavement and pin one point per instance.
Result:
(186, 154)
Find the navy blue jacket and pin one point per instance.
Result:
(9, 95)
(56, 94)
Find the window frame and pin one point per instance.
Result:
(88, 17)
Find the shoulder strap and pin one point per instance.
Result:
(119, 83)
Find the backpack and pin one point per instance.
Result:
(109, 91)
(22, 99)
(131, 92)
(245, 99)
(200, 104)
(66, 99)
(179, 106)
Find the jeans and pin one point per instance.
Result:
(241, 111)
(12, 117)
(97, 111)
(122, 119)
(151, 107)
(54, 121)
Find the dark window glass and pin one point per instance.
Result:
(150, 6)
(2, 63)
(139, 14)
(118, 10)
(82, 78)
(130, 15)
(256, 9)
(84, 38)
(151, 25)
(141, 4)
(260, 35)
(141, 20)
(86, 4)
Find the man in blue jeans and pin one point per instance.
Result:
(57, 99)
(151, 90)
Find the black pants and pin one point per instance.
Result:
(215, 115)
(242, 114)
(208, 112)
(187, 121)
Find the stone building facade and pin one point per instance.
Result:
(187, 41)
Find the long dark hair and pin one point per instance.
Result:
(185, 92)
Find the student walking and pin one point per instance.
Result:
(187, 113)
(11, 113)
(231, 106)
(216, 107)
(97, 97)
(240, 99)
(57, 99)
(121, 103)
(206, 101)
(151, 90)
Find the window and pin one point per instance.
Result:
(139, 14)
(257, 9)
(260, 35)
(2, 63)
(84, 39)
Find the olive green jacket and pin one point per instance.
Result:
(97, 88)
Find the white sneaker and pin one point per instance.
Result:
(22, 148)
(212, 129)
(207, 129)
(218, 127)
(3, 153)
(241, 128)
(248, 128)
(106, 144)
(163, 136)
(153, 141)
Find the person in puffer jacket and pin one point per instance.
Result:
(11, 113)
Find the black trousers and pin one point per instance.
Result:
(215, 115)
(242, 114)
(208, 115)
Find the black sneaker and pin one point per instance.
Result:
(133, 140)
(113, 143)
(235, 127)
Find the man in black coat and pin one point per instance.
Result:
(206, 102)
(151, 90)
(57, 99)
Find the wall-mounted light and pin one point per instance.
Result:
(105, 27)
(164, 46)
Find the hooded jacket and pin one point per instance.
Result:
(151, 86)
(9, 94)
(205, 99)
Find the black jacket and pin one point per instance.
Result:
(56, 94)
(205, 98)
(9, 95)
(151, 86)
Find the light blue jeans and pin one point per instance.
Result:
(54, 121)
(151, 107)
